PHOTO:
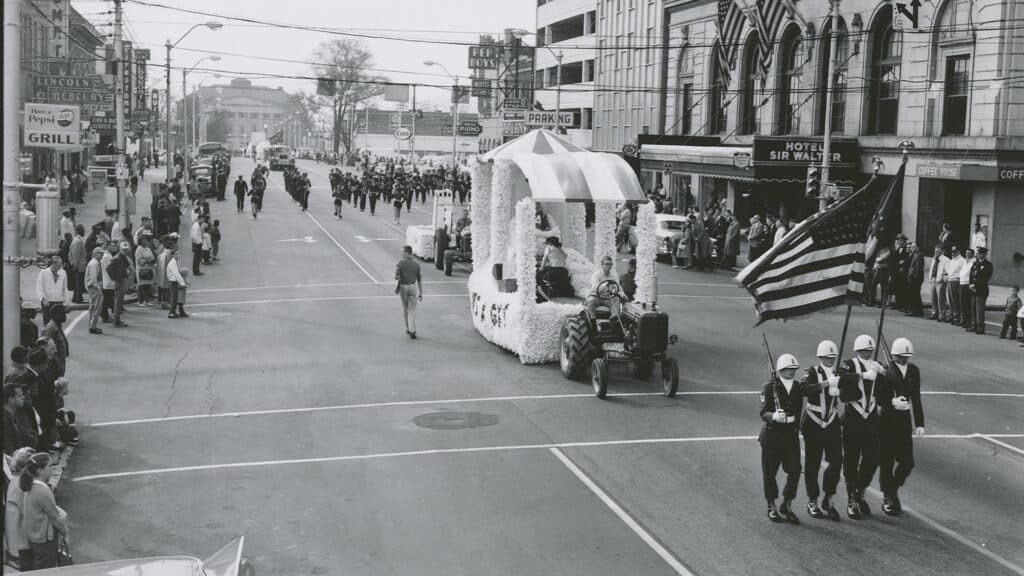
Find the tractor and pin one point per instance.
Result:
(607, 331)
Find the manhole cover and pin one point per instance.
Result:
(454, 420)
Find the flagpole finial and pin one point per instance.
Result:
(905, 147)
(877, 164)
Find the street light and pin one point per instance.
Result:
(519, 34)
(212, 25)
(455, 111)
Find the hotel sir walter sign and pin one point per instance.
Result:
(788, 151)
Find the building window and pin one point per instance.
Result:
(747, 115)
(954, 115)
(686, 109)
(717, 111)
(591, 22)
(684, 97)
(885, 86)
(956, 20)
(588, 70)
(790, 94)
(838, 82)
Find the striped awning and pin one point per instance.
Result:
(538, 141)
(579, 176)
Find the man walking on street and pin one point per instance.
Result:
(94, 286)
(241, 188)
(120, 269)
(409, 288)
(79, 260)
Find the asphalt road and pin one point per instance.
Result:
(292, 409)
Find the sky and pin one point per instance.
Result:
(460, 21)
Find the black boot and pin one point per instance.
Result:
(773, 514)
(787, 512)
(853, 508)
(864, 508)
(889, 506)
(814, 510)
(826, 506)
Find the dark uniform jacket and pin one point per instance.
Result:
(866, 398)
(848, 391)
(981, 273)
(894, 385)
(792, 403)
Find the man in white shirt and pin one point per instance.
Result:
(980, 238)
(52, 288)
(938, 277)
(602, 274)
(67, 224)
(953, 268)
(94, 286)
(196, 234)
(966, 296)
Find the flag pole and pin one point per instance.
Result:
(846, 326)
(905, 147)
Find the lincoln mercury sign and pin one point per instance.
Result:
(785, 151)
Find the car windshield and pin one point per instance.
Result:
(672, 224)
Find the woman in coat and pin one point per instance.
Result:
(162, 285)
(732, 242)
(145, 268)
(701, 244)
(42, 521)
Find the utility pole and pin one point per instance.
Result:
(412, 153)
(119, 144)
(168, 160)
(184, 124)
(558, 91)
(826, 147)
(12, 176)
(456, 96)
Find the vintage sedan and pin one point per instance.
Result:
(668, 228)
(227, 561)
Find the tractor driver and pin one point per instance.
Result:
(462, 227)
(604, 298)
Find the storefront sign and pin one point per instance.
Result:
(942, 171)
(629, 150)
(741, 160)
(516, 104)
(52, 126)
(1011, 173)
(548, 119)
(786, 151)
(484, 57)
(91, 93)
(481, 88)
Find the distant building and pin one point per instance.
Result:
(569, 28)
(231, 113)
(432, 138)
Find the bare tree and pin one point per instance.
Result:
(347, 61)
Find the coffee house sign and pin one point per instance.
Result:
(788, 151)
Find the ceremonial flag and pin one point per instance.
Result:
(882, 230)
(770, 16)
(730, 24)
(277, 138)
(818, 264)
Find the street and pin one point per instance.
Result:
(292, 409)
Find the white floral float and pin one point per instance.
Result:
(541, 168)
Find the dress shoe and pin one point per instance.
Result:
(120, 325)
(95, 331)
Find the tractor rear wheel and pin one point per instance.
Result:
(670, 376)
(599, 377)
(575, 348)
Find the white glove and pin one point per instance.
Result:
(877, 368)
(833, 381)
(833, 391)
(779, 416)
(870, 375)
(919, 431)
(900, 403)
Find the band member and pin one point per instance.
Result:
(860, 426)
(901, 419)
(781, 404)
(821, 430)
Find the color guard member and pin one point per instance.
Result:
(901, 418)
(860, 426)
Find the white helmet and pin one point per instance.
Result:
(787, 361)
(863, 342)
(902, 347)
(827, 349)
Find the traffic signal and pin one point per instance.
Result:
(813, 181)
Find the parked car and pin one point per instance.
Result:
(668, 228)
(227, 561)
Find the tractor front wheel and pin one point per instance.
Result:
(599, 377)
(670, 376)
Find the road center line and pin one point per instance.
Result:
(342, 248)
(320, 299)
(628, 520)
(505, 448)
(397, 403)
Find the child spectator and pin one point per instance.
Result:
(215, 240)
(1012, 311)
(207, 243)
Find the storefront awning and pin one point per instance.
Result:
(732, 162)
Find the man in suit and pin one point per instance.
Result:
(860, 426)
(901, 419)
(914, 278)
(981, 274)
(241, 188)
(900, 267)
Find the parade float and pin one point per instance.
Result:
(540, 176)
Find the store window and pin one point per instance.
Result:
(684, 97)
(887, 55)
(747, 115)
(838, 82)
(954, 107)
(790, 93)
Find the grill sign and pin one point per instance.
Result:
(50, 126)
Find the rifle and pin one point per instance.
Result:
(771, 370)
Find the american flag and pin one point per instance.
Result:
(820, 263)
(730, 24)
(770, 16)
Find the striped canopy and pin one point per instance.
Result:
(579, 176)
(538, 141)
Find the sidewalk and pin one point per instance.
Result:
(89, 213)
